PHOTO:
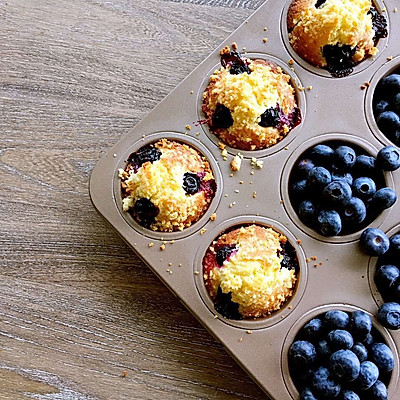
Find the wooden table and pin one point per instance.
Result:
(81, 317)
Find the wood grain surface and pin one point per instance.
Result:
(81, 317)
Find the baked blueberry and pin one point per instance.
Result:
(345, 157)
(348, 395)
(224, 252)
(222, 118)
(364, 187)
(381, 106)
(360, 351)
(312, 329)
(360, 324)
(318, 177)
(322, 154)
(368, 375)
(389, 315)
(340, 339)
(302, 353)
(336, 319)
(383, 199)
(329, 223)
(304, 167)
(354, 211)
(271, 117)
(390, 84)
(337, 192)
(146, 154)
(388, 122)
(345, 364)
(386, 277)
(382, 356)
(191, 183)
(339, 59)
(307, 212)
(145, 211)
(374, 242)
(324, 384)
(388, 158)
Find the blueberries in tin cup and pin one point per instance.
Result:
(365, 165)
(323, 349)
(383, 198)
(364, 187)
(336, 319)
(307, 394)
(388, 158)
(396, 103)
(360, 351)
(322, 154)
(386, 276)
(313, 328)
(349, 395)
(324, 384)
(354, 211)
(368, 375)
(345, 157)
(329, 223)
(388, 122)
(374, 242)
(389, 315)
(302, 353)
(307, 212)
(381, 106)
(390, 84)
(299, 188)
(304, 167)
(318, 177)
(360, 324)
(378, 391)
(382, 356)
(345, 364)
(337, 192)
(368, 340)
(340, 339)
(395, 244)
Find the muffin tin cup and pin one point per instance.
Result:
(291, 163)
(294, 330)
(333, 271)
(275, 317)
(301, 103)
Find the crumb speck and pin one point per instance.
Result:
(252, 173)
(124, 374)
(236, 162)
(188, 127)
(298, 241)
(240, 339)
(249, 332)
(230, 205)
(265, 29)
(308, 260)
(203, 231)
(265, 40)
(162, 247)
(151, 244)
(309, 87)
(363, 87)
(241, 182)
(196, 272)
(191, 92)
(390, 58)
(213, 217)
(234, 46)
(254, 194)
(224, 153)
(215, 316)
(291, 62)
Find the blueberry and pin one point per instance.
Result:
(395, 293)
(395, 244)
(323, 349)
(339, 59)
(306, 394)
(318, 178)
(391, 84)
(349, 395)
(360, 324)
(191, 183)
(223, 253)
(236, 63)
(354, 211)
(330, 223)
(145, 211)
(360, 351)
(307, 212)
(383, 198)
(374, 242)
(378, 391)
(381, 106)
(340, 339)
(388, 122)
(312, 329)
(368, 340)
(364, 187)
(389, 315)
(271, 117)
(324, 384)
(382, 356)
(337, 192)
(369, 373)
(345, 157)
(345, 364)
(304, 167)
(222, 118)
(302, 353)
(345, 177)
(365, 165)
(336, 319)
(388, 158)
(319, 3)
(225, 306)
(299, 189)
(145, 154)
(322, 154)
(396, 103)
(386, 276)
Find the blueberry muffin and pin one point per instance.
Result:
(335, 34)
(250, 272)
(250, 104)
(167, 186)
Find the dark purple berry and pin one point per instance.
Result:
(383, 199)
(319, 3)
(364, 187)
(345, 157)
(225, 306)
(379, 24)
(381, 106)
(389, 315)
(354, 211)
(225, 252)
(236, 63)
(339, 59)
(222, 118)
(145, 211)
(271, 117)
(191, 183)
(388, 158)
(374, 242)
(145, 154)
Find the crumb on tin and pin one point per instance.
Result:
(298, 241)
(390, 58)
(151, 244)
(249, 332)
(236, 162)
(291, 62)
(162, 247)
(188, 127)
(124, 374)
(265, 40)
(254, 194)
(203, 231)
(213, 217)
(196, 272)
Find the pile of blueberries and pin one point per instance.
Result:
(336, 188)
(374, 242)
(386, 107)
(340, 355)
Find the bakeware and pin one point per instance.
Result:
(334, 273)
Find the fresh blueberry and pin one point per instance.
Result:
(329, 223)
(365, 165)
(381, 106)
(386, 276)
(389, 315)
(382, 356)
(191, 183)
(302, 353)
(368, 340)
(324, 384)
(223, 253)
(345, 364)
(396, 103)
(383, 198)
(354, 211)
(299, 189)
(222, 118)
(378, 391)
(322, 154)
(312, 329)
(307, 212)
(345, 177)
(306, 394)
(323, 349)
(345, 157)
(340, 339)
(304, 166)
(388, 122)
(145, 211)
(374, 242)
(369, 373)
(360, 324)
(318, 178)
(349, 395)
(271, 117)
(395, 244)
(336, 319)
(395, 293)
(360, 351)
(388, 158)
(391, 84)
(364, 187)
(337, 192)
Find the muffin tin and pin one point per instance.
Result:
(334, 273)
